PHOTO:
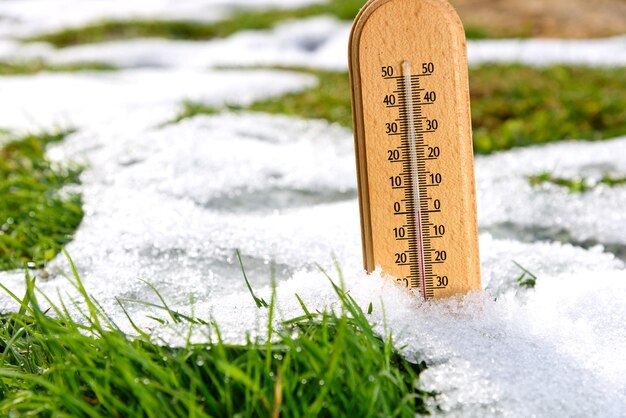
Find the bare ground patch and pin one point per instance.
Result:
(545, 18)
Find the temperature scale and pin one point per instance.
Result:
(410, 105)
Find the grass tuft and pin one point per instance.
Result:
(320, 364)
(37, 217)
(578, 184)
(526, 279)
(259, 302)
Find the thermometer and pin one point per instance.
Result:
(413, 140)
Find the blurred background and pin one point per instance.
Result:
(543, 18)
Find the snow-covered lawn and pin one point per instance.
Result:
(170, 204)
(317, 42)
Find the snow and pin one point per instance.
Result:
(509, 200)
(132, 99)
(170, 204)
(314, 42)
(591, 52)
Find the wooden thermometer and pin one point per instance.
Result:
(410, 105)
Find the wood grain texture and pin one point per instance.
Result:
(427, 34)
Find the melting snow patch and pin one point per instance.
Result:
(30, 17)
(592, 52)
(319, 42)
(163, 212)
(171, 205)
(131, 100)
(510, 206)
(315, 42)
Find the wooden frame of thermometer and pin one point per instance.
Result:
(410, 105)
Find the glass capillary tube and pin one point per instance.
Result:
(410, 114)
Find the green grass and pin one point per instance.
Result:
(240, 20)
(36, 66)
(487, 32)
(36, 219)
(512, 105)
(579, 184)
(318, 364)
(330, 100)
(526, 279)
